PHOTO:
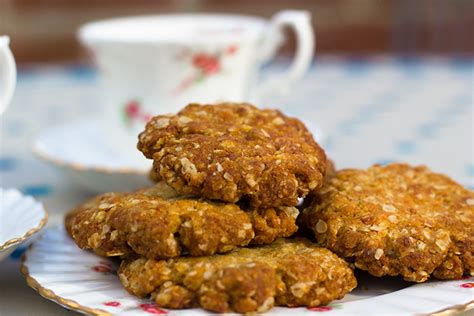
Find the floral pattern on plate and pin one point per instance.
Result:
(82, 281)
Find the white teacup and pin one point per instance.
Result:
(157, 64)
(7, 73)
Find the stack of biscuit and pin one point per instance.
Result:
(216, 230)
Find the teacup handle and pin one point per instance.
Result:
(7, 73)
(300, 22)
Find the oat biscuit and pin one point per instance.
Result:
(154, 176)
(396, 220)
(330, 169)
(233, 152)
(286, 273)
(157, 223)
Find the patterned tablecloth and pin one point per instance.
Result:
(365, 111)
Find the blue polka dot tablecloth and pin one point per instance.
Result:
(363, 111)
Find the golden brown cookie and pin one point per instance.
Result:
(233, 152)
(157, 223)
(286, 273)
(396, 220)
(330, 169)
(153, 175)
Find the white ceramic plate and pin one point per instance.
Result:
(81, 152)
(82, 281)
(20, 218)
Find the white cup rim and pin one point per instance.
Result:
(106, 31)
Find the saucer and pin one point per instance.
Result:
(81, 152)
(21, 218)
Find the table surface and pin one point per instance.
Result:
(365, 111)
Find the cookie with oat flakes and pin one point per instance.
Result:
(330, 169)
(285, 273)
(396, 220)
(158, 223)
(233, 152)
(154, 176)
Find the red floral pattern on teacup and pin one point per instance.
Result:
(112, 303)
(468, 285)
(208, 64)
(204, 65)
(232, 49)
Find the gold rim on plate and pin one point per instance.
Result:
(73, 305)
(28, 234)
(77, 166)
(453, 309)
(50, 295)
